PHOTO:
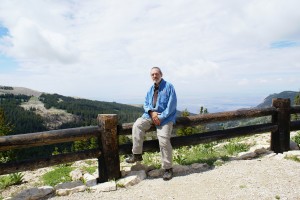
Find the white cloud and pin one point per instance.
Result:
(202, 46)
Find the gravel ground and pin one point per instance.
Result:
(265, 178)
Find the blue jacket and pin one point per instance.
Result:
(166, 103)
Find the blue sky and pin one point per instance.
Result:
(103, 50)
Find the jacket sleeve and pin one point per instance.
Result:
(147, 105)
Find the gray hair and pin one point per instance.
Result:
(157, 69)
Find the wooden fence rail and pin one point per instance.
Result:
(108, 131)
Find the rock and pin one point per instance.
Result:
(104, 187)
(155, 173)
(65, 192)
(132, 178)
(200, 166)
(246, 155)
(292, 153)
(293, 145)
(180, 168)
(138, 166)
(90, 180)
(69, 185)
(34, 193)
(76, 175)
(259, 149)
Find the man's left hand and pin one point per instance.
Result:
(155, 119)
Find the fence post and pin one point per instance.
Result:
(280, 139)
(109, 161)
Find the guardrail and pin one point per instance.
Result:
(108, 131)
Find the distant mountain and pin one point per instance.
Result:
(19, 90)
(285, 94)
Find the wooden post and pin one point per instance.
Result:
(109, 161)
(280, 139)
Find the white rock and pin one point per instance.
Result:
(90, 180)
(76, 175)
(132, 178)
(104, 187)
(69, 185)
(65, 192)
(34, 193)
(246, 155)
(292, 153)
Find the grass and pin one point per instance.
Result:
(89, 169)
(58, 175)
(294, 158)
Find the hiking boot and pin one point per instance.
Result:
(168, 174)
(133, 158)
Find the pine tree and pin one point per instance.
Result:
(4, 127)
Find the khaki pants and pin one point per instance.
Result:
(139, 129)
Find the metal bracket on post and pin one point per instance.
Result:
(109, 161)
(280, 139)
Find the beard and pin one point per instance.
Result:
(157, 81)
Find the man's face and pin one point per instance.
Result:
(156, 75)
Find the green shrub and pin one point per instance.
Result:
(58, 175)
(152, 159)
(233, 148)
(11, 179)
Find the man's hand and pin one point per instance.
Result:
(155, 119)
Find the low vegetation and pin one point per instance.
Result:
(203, 153)
(59, 174)
(11, 179)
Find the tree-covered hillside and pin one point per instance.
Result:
(22, 121)
(88, 110)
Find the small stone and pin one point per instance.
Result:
(76, 175)
(132, 178)
(65, 192)
(104, 187)
(246, 155)
(90, 180)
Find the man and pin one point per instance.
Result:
(160, 110)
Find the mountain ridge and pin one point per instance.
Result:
(285, 94)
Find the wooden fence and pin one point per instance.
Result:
(108, 131)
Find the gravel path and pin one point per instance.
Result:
(265, 178)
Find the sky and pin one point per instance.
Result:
(214, 52)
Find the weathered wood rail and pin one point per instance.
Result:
(108, 131)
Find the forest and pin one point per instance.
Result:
(21, 121)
